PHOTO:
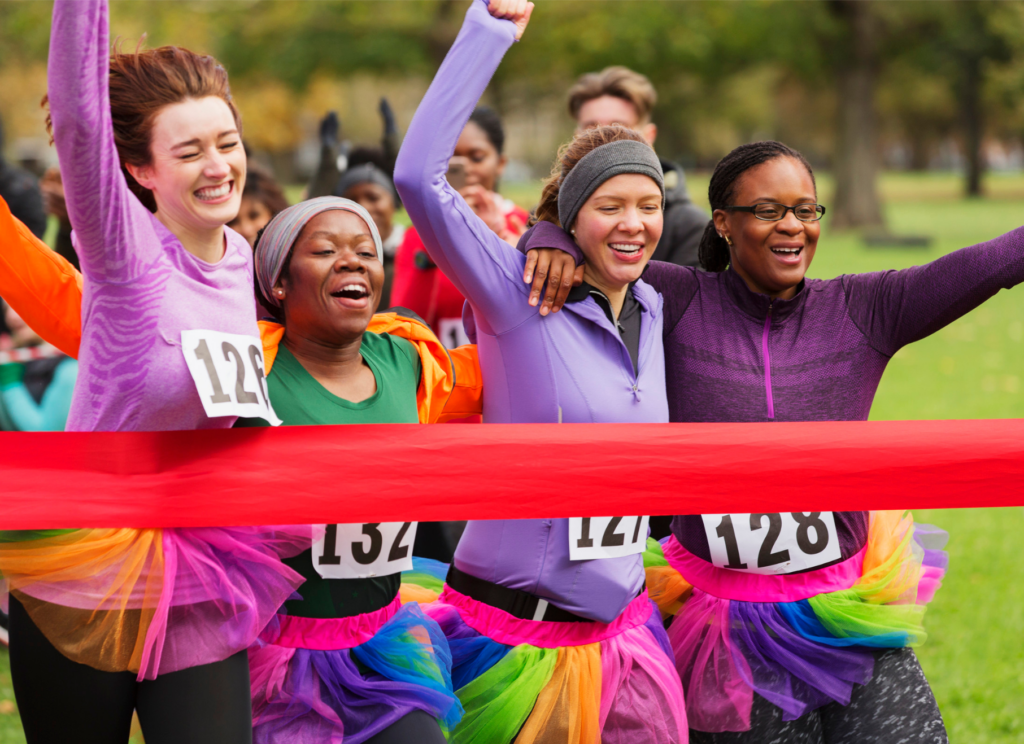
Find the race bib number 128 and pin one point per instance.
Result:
(361, 551)
(606, 537)
(228, 371)
(772, 543)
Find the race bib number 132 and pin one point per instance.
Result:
(361, 551)
(772, 543)
(606, 537)
(228, 371)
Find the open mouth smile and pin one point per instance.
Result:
(627, 251)
(215, 194)
(351, 292)
(788, 255)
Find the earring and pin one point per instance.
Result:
(573, 231)
(279, 292)
(728, 240)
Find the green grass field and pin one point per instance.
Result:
(974, 656)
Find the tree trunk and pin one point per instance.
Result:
(856, 158)
(443, 30)
(973, 127)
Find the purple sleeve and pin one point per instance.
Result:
(484, 268)
(549, 235)
(895, 308)
(114, 232)
(677, 285)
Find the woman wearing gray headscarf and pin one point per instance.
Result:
(348, 661)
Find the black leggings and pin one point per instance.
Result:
(897, 705)
(415, 728)
(63, 701)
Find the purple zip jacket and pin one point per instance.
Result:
(142, 288)
(735, 355)
(572, 364)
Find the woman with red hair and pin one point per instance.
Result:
(104, 621)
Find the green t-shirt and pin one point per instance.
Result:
(299, 400)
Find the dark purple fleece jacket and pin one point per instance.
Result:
(733, 355)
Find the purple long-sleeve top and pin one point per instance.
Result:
(142, 288)
(571, 366)
(736, 355)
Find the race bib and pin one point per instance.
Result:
(452, 334)
(228, 372)
(362, 551)
(606, 537)
(772, 543)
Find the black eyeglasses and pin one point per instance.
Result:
(775, 212)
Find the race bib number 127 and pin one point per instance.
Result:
(361, 551)
(228, 371)
(606, 537)
(772, 543)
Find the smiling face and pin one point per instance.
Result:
(618, 229)
(484, 165)
(376, 200)
(253, 216)
(197, 166)
(771, 257)
(333, 282)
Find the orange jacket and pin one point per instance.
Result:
(46, 291)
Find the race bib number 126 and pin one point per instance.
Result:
(361, 551)
(606, 537)
(228, 371)
(772, 543)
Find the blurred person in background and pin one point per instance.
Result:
(262, 200)
(617, 95)
(372, 188)
(337, 155)
(53, 200)
(36, 384)
(475, 170)
(20, 190)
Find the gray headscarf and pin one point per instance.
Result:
(280, 234)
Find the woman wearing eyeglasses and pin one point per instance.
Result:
(797, 627)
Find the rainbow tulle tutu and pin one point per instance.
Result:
(152, 601)
(425, 582)
(812, 642)
(561, 682)
(328, 681)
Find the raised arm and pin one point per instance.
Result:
(41, 286)
(486, 269)
(895, 308)
(115, 236)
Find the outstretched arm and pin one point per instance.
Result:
(41, 286)
(895, 308)
(485, 268)
(116, 239)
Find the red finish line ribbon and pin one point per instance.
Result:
(380, 473)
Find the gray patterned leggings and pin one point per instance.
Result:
(896, 707)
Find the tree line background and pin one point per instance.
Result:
(857, 85)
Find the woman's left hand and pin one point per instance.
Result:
(517, 11)
(558, 269)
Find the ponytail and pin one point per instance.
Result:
(713, 251)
